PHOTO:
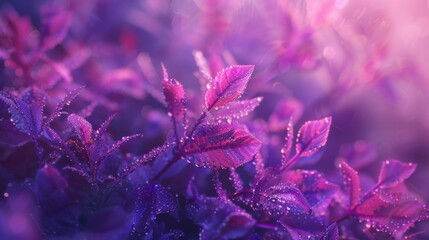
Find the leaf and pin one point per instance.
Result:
(287, 148)
(352, 182)
(316, 189)
(302, 223)
(221, 146)
(98, 158)
(141, 161)
(49, 180)
(220, 219)
(393, 172)
(392, 211)
(331, 232)
(99, 133)
(174, 96)
(235, 109)
(82, 127)
(65, 101)
(277, 197)
(27, 118)
(312, 136)
(228, 85)
(151, 201)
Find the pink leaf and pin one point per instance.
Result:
(228, 85)
(352, 182)
(82, 127)
(393, 172)
(312, 136)
(221, 146)
(392, 210)
(174, 96)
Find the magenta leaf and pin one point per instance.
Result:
(55, 25)
(221, 146)
(393, 172)
(392, 211)
(352, 183)
(235, 109)
(312, 136)
(82, 127)
(220, 218)
(287, 148)
(174, 96)
(228, 85)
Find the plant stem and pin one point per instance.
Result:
(266, 226)
(180, 154)
(241, 192)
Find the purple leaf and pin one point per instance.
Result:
(220, 219)
(151, 201)
(228, 85)
(286, 111)
(312, 136)
(27, 117)
(98, 157)
(358, 155)
(221, 146)
(99, 133)
(141, 161)
(287, 148)
(82, 127)
(331, 232)
(352, 182)
(50, 180)
(316, 189)
(65, 101)
(302, 223)
(235, 109)
(393, 172)
(174, 96)
(277, 197)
